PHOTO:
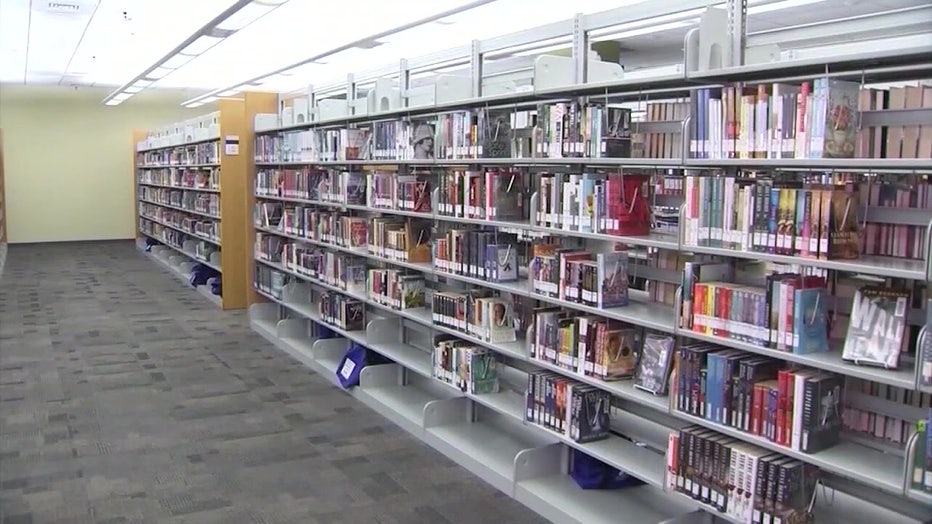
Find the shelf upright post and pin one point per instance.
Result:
(737, 29)
(311, 103)
(404, 81)
(475, 67)
(350, 94)
(928, 255)
(137, 136)
(238, 202)
(580, 49)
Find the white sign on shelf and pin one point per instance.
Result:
(231, 145)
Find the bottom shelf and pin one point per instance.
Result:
(486, 434)
(563, 501)
(179, 267)
(479, 448)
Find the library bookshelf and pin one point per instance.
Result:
(192, 184)
(350, 221)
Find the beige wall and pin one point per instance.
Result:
(69, 161)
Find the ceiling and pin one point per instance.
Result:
(106, 43)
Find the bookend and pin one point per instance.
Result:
(297, 293)
(294, 339)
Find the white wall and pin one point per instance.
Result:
(69, 160)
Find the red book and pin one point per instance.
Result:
(784, 384)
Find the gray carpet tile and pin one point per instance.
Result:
(126, 397)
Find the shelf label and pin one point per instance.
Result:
(231, 145)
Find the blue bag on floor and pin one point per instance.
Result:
(354, 360)
(592, 473)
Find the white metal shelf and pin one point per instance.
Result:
(850, 164)
(213, 241)
(183, 188)
(192, 256)
(182, 144)
(650, 315)
(204, 165)
(847, 459)
(177, 208)
(866, 264)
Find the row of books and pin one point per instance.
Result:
(817, 119)
(397, 288)
(895, 239)
(593, 279)
(806, 219)
(470, 368)
(568, 407)
(342, 311)
(311, 222)
(270, 281)
(869, 420)
(614, 204)
(494, 194)
(193, 225)
(182, 178)
(390, 190)
(796, 408)
(789, 313)
(191, 200)
(203, 250)
(555, 130)
(745, 482)
(207, 153)
(605, 349)
(478, 312)
(489, 255)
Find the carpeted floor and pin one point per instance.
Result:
(127, 397)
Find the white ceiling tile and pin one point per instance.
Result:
(14, 40)
(117, 47)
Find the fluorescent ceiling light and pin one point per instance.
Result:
(229, 92)
(132, 89)
(113, 102)
(201, 45)
(122, 96)
(194, 104)
(209, 99)
(158, 73)
(176, 61)
(142, 83)
(776, 6)
(247, 15)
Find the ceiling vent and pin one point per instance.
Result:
(65, 7)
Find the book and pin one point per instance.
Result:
(821, 416)
(878, 324)
(653, 367)
(810, 321)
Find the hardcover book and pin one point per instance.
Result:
(810, 321)
(877, 328)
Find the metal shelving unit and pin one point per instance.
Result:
(529, 461)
